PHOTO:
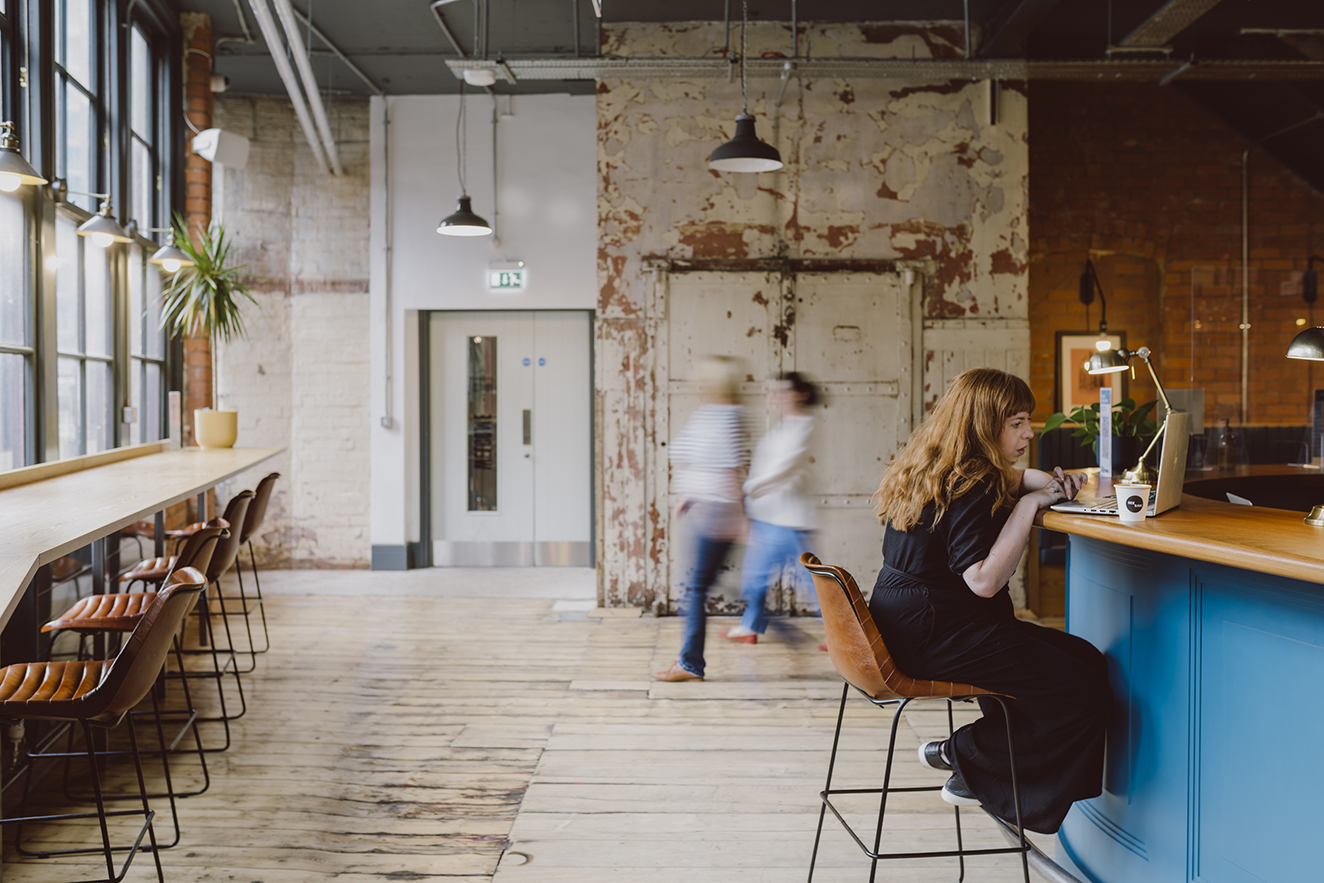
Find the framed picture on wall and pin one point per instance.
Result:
(1075, 385)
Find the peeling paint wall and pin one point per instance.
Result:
(875, 170)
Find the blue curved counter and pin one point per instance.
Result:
(1212, 619)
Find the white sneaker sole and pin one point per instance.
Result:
(957, 800)
(924, 760)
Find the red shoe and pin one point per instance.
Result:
(823, 647)
(744, 639)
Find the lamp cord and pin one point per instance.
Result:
(744, 50)
(460, 136)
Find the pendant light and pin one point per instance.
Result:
(745, 152)
(101, 227)
(463, 221)
(15, 171)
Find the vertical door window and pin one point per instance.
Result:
(77, 115)
(16, 337)
(482, 424)
(144, 183)
(84, 343)
(146, 348)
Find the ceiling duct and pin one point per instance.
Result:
(310, 89)
(1170, 20)
(277, 48)
(662, 68)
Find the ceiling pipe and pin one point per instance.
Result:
(310, 88)
(335, 50)
(277, 47)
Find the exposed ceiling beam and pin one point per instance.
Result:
(1170, 20)
(1006, 32)
(561, 68)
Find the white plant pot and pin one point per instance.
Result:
(215, 429)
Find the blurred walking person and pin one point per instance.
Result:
(710, 456)
(777, 502)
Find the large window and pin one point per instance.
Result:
(144, 175)
(77, 110)
(84, 341)
(146, 348)
(83, 365)
(16, 336)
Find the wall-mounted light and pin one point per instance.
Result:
(101, 228)
(745, 152)
(462, 221)
(15, 171)
(169, 257)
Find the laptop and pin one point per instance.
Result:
(1166, 494)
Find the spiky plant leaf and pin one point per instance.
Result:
(204, 299)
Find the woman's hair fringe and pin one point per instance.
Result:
(955, 449)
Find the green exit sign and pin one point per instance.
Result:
(507, 276)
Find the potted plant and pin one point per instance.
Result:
(1132, 428)
(204, 299)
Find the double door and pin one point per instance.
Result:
(511, 439)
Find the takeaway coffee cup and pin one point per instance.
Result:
(1132, 501)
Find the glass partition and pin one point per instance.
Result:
(482, 424)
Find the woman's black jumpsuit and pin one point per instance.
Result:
(938, 629)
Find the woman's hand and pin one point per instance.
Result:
(1071, 482)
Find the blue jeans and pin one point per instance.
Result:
(770, 549)
(709, 553)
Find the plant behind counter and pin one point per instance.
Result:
(1132, 426)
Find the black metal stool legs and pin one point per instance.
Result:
(876, 854)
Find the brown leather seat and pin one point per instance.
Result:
(119, 612)
(198, 544)
(857, 649)
(860, 656)
(103, 693)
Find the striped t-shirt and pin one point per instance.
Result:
(708, 451)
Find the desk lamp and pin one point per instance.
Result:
(1309, 345)
(1111, 362)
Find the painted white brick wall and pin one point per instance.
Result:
(299, 378)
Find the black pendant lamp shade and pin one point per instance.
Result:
(15, 171)
(745, 152)
(463, 221)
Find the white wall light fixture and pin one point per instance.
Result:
(745, 152)
(15, 171)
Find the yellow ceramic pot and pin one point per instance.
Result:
(215, 429)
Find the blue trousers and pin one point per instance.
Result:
(771, 548)
(709, 553)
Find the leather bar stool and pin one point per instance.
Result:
(101, 694)
(861, 658)
(120, 613)
(153, 571)
(257, 511)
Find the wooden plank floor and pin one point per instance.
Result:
(425, 737)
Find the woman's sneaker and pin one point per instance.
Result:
(957, 793)
(930, 754)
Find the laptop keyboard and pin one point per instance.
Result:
(1109, 506)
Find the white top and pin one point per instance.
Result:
(776, 491)
(707, 452)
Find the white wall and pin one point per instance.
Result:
(547, 217)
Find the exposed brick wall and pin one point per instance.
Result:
(197, 199)
(1151, 184)
(299, 378)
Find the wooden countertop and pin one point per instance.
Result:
(45, 519)
(1257, 538)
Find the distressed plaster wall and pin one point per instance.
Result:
(875, 170)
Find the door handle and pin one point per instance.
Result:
(528, 427)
